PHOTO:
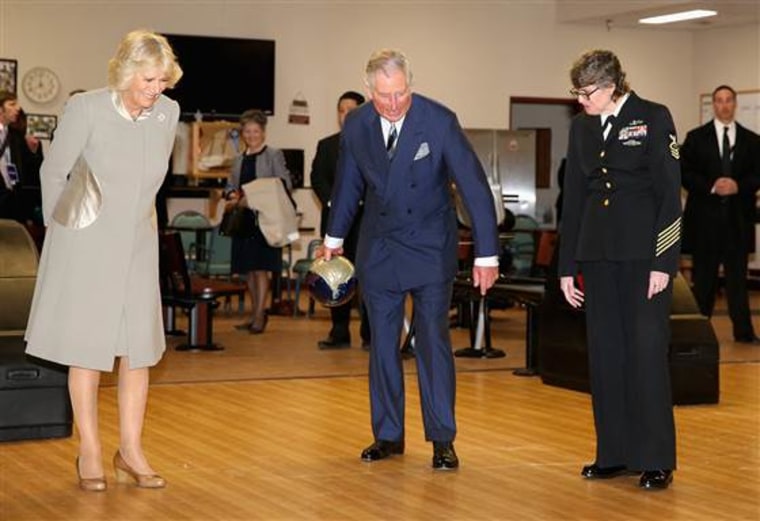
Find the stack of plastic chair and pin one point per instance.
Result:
(523, 245)
(300, 269)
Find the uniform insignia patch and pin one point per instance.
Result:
(632, 131)
(633, 143)
(675, 150)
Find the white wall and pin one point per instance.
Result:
(471, 55)
(726, 56)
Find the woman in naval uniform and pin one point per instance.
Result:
(621, 231)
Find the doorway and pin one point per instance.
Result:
(552, 117)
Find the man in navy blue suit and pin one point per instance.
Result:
(400, 154)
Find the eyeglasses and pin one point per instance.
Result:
(578, 92)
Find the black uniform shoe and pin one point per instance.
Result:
(444, 456)
(656, 479)
(748, 340)
(382, 449)
(594, 471)
(334, 343)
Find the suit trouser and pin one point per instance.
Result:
(728, 249)
(628, 338)
(435, 362)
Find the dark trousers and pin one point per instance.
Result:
(341, 317)
(628, 339)
(9, 204)
(727, 249)
(435, 362)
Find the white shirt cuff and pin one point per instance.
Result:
(333, 243)
(487, 262)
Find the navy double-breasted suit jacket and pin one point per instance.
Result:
(408, 236)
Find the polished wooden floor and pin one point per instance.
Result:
(271, 428)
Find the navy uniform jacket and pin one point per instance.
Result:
(622, 195)
(701, 165)
(408, 236)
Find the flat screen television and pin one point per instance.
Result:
(223, 77)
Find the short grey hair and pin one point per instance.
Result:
(599, 67)
(386, 61)
(255, 116)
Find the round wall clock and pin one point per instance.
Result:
(41, 84)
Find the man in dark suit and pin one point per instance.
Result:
(20, 160)
(721, 171)
(400, 153)
(322, 180)
(620, 229)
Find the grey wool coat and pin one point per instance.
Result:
(97, 294)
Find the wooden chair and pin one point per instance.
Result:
(196, 295)
(193, 228)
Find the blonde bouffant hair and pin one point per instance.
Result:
(139, 50)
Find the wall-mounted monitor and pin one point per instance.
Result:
(223, 77)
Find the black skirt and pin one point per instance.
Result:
(254, 254)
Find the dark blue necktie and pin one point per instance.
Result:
(390, 146)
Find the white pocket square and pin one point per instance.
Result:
(423, 151)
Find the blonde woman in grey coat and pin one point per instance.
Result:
(97, 296)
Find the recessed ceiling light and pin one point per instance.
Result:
(678, 17)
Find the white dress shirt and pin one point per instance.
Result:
(616, 112)
(5, 157)
(719, 126)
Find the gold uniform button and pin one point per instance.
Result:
(601, 154)
(606, 202)
(604, 170)
(608, 184)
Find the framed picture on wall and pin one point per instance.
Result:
(8, 74)
(41, 126)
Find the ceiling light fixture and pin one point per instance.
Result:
(678, 17)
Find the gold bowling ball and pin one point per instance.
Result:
(332, 283)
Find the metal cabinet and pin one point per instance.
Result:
(509, 160)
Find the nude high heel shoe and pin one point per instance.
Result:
(124, 472)
(90, 484)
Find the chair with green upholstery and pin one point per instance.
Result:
(300, 269)
(523, 245)
(219, 263)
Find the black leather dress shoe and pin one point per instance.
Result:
(444, 456)
(656, 479)
(594, 471)
(748, 340)
(334, 343)
(407, 352)
(382, 449)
